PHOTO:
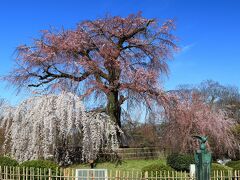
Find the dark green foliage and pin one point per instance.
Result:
(234, 164)
(219, 167)
(44, 165)
(40, 164)
(7, 161)
(155, 169)
(180, 162)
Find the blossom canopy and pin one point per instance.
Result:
(116, 57)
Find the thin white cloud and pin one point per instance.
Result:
(187, 47)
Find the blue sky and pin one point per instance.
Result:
(208, 32)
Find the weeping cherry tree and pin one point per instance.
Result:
(40, 125)
(189, 115)
(116, 59)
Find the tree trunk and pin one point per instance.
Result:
(113, 107)
(114, 111)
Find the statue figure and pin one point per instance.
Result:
(203, 160)
(202, 142)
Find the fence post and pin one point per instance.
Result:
(49, 174)
(146, 175)
(19, 173)
(73, 175)
(116, 175)
(6, 173)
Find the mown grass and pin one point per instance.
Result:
(126, 165)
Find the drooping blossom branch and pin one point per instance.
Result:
(189, 115)
(40, 125)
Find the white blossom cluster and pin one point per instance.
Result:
(103, 134)
(35, 127)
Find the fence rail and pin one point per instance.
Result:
(139, 153)
(21, 173)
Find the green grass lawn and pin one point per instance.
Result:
(126, 165)
(133, 167)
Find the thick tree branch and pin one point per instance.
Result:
(49, 77)
(136, 31)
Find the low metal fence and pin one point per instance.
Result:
(22, 173)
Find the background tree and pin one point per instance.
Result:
(226, 98)
(114, 58)
(189, 115)
(221, 98)
(217, 95)
(144, 133)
